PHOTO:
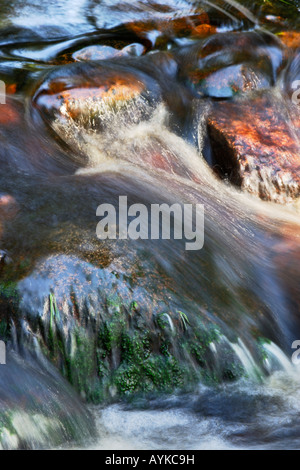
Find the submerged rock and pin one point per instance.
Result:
(111, 334)
(108, 88)
(135, 316)
(38, 408)
(255, 145)
(229, 63)
(197, 25)
(107, 52)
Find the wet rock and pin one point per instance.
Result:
(255, 144)
(8, 207)
(25, 149)
(113, 334)
(229, 81)
(107, 88)
(115, 102)
(8, 210)
(291, 39)
(231, 63)
(9, 115)
(38, 409)
(203, 30)
(131, 315)
(287, 11)
(170, 28)
(108, 52)
(287, 261)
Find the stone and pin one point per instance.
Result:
(38, 408)
(226, 64)
(290, 39)
(107, 52)
(255, 144)
(173, 27)
(106, 87)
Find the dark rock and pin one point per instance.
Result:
(38, 409)
(226, 64)
(123, 317)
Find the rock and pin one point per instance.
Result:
(101, 88)
(287, 261)
(9, 115)
(255, 144)
(229, 81)
(173, 27)
(203, 31)
(107, 52)
(226, 64)
(115, 103)
(132, 316)
(25, 150)
(290, 39)
(8, 210)
(38, 408)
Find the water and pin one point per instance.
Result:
(229, 418)
(77, 133)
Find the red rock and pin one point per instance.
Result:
(9, 115)
(11, 89)
(203, 30)
(257, 144)
(291, 39)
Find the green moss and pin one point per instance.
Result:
(4, 330)
(82, 363)
(9, 290)
(131, 352)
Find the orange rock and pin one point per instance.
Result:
(290, 38)
(256, 143)
(91, 90)
(203, 30)
(179, 27)
(11, 89)
(70, 102)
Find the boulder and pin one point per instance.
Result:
(227, 64)
(38, 408)
(255, 146)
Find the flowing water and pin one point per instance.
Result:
(105, 99)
